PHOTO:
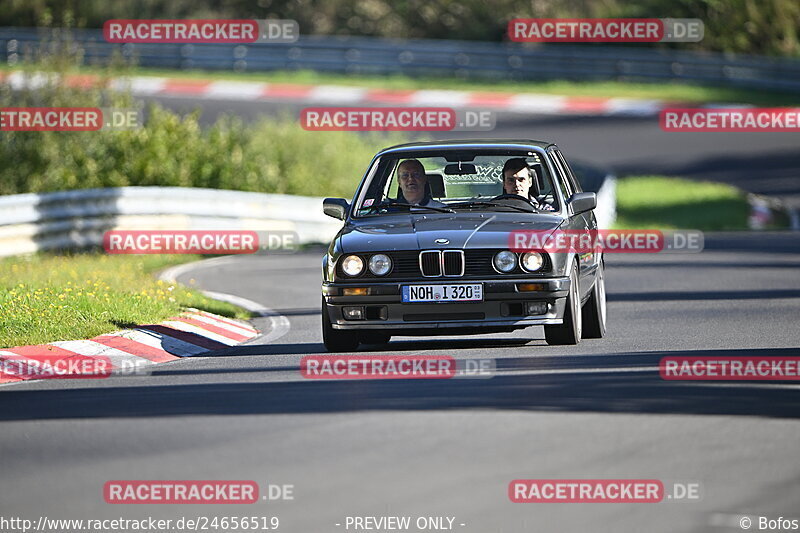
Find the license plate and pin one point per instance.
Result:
(443, 293)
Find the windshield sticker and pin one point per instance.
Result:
(483, 174)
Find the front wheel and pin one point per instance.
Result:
(568, 332)
(594, 312)
(336, 340)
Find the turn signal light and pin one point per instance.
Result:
(531, 287)
(355, 291)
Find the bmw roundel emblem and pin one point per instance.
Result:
(442, 241)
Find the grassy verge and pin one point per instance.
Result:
(605, 89)
(673, 203)
(46, 297)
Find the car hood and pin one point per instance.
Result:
(420, 231)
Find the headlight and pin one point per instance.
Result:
(380, 264)
(505, 261)
(352, 265)
(532, 261)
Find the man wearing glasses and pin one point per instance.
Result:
(412, 179)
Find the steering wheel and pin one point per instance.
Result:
(510, 197)
(514, 198)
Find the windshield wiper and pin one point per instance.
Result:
(394, 203)
(433, 208)
(490, 204)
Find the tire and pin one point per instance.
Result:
(336, 340)
(570, 331)
(594, 311)
(374, 337)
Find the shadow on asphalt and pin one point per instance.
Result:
(755, 243)
(622, 383)
(682, 296)
(424, 343)
(701, 264)
(299, 311)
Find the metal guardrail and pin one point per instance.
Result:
(78, 219)
(466, 59)
(602, 182)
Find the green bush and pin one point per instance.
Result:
(275, 156)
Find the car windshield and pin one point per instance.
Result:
(457, 181)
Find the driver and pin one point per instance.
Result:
(412, 179)
(518, 179)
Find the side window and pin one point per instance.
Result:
(563, 182)
(375, 192)
(390, 186)
(575, 184)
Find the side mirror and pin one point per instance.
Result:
(581, 202)
(336, 207)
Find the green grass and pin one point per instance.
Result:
(606, 89)
(661, 202)
(46, 297)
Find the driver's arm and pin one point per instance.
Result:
(541, 205)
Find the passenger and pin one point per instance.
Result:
(413, 184)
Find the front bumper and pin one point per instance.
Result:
(503, 306)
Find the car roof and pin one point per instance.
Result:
(467, 144)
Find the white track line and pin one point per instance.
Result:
(279, 324)
(234, 90)
(172, 274)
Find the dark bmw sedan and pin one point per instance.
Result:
(426, 247)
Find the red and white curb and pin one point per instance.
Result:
(526, 103)
(192, 333)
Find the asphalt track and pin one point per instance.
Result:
(450, 447)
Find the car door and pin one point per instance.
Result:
(581, 222)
